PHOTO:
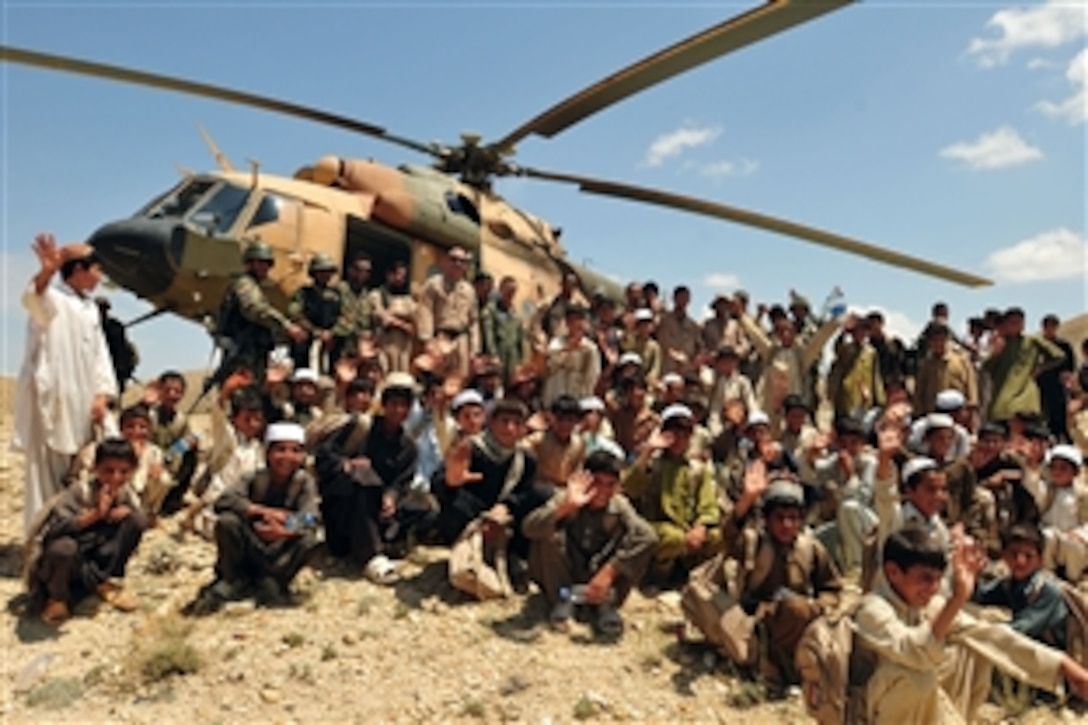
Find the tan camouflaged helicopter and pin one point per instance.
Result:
(180, 251)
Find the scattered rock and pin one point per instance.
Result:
(271, 696)
(34, 672)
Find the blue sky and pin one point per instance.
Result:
(954, 131)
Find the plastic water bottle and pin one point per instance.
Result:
(835, 304)
(180, 447)
(300, 520)
(577, 594)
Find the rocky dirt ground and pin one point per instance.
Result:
(350, 651)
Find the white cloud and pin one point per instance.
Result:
(1053, 255)
(995, 150)
(722, 281)
(1041, 64)
(676, 142)
(1048, 25)
(1075, 108)
(745, 167)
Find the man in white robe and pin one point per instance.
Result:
(67, 377)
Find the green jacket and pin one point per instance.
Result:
(1013, 372)
(669, 489)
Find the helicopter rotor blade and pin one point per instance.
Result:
(769, 19)
(760, 221)
(48, 61)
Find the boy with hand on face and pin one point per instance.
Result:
(85, 536)
(928, 661)
(589, 535)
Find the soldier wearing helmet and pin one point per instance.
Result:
(248, 325)
(318, 309)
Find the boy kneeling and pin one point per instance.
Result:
(267, 525)
(589, 534)
(929, 660)
(87, 534)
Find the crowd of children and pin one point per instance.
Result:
(602, 446)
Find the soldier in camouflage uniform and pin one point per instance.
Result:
(318, 309)
(504, 334)
(249, 325)
(358, 316)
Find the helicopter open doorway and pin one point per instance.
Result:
(383, 245)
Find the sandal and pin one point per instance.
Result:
(561, 615)
(609, 623)
(381, 570)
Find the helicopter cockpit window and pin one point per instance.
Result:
(178, 202)
(267, 211)
(461, 204)
(219, 212)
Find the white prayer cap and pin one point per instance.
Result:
(591, 403)
(644, 314)
(466, 397)
(630, 358)
(936, 421)
(400, 381)
(1068, 453)
(285, 432)
(949, 400)
(304, 375)
(758, 417)
(917, 465)
(677, 410)
(672, 379)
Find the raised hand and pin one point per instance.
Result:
(580, 488)
(151, 394)
(889, 441)
(45, 248)
(660, 440)
(755, 479)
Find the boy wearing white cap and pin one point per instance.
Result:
(644, 345)
(678, 498)
(1064, 507)
(267, 525)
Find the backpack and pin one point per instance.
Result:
(828, 681)
(477, 563)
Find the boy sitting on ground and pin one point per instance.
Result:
(267, 525)
(787, 577)
(1034, 599)
(589, 534)
(925, 659)
(82, 540)
(678, 498)
(1064, 506)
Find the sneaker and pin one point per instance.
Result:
(55, 613)
(381, 570)
(270, 593)
(561, 615)
(609, 623)
(117, 597)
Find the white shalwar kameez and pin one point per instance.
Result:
(66, 365)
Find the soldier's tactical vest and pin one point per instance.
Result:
(233, 326)
(321, 306)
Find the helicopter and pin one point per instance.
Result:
(182, 249)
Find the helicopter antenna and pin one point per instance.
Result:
(220, 158)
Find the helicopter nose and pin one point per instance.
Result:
(141, 255)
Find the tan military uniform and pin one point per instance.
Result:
(917, 678)
(678, 335)
(448, 311)
(396, 344)
(555, 460)
(951, 371)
